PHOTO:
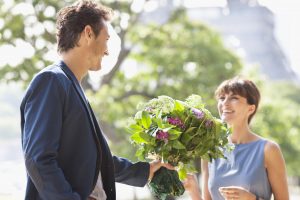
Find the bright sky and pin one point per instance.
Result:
(287, 16)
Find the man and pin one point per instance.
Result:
(66, 154)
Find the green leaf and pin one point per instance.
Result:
(134, 128)
(159, 114)
(141, 137)
(219, 127)
(146, 120)
(190, 130)
(140, 153)
(159, 122)
(167, 127)
(127, 129)
(185, 138)
(187, 121)
(182, 174)
(146, 137)
(179, 106)
(138, 115)
(137, 138)
(174, 134)
(178, 145)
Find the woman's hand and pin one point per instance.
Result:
(191, 186)
(236, 193)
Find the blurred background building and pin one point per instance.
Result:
(247, 27)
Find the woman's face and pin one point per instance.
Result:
(234, 109)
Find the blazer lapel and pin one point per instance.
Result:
(80, 93)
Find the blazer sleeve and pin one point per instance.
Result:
(42, 129)
(135, 174)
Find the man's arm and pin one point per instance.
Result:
(136, 174)
(41, 132)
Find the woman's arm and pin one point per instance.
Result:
(205, 175)
(192, 187)
(275, 165)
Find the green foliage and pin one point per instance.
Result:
(182, 55)
(161, 185)
(34, 27)
(177, 133)
(278, 119)
(33, 23)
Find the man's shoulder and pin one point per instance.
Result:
(52, 72)
(51, 76)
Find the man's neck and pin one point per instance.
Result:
(75, 60)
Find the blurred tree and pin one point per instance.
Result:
(28, 24)
(178, 58)
(31, 23)
(278, 119)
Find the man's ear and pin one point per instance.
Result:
(88, 32)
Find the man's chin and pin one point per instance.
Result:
(97, 68)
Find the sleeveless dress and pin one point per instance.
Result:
(243, 167)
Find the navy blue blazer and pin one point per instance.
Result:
(64, 148)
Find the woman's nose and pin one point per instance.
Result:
(225, 101)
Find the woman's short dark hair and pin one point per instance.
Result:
(71, 21)
(242, 87)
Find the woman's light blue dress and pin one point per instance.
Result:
(243, 167)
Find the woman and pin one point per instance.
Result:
(255, 168)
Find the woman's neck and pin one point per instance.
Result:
(242, 134)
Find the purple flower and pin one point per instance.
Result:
(161, 135)
(198, 113)
(176, 121)
(208, 123)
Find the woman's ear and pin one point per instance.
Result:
(252, 109)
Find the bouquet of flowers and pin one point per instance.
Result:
(176, 132)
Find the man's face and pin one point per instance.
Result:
(98, 48)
